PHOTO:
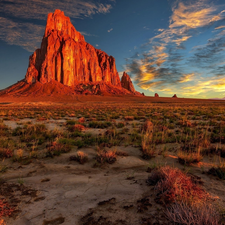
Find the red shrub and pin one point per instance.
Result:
(6, 153)
(172, 184)
(78, 127)
(5, 209)
(81, 120)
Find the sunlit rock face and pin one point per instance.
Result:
(127, 83)
(65, 57)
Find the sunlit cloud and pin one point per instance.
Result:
(194, 15)
(29, 35)
(220, 27)
(187, 77)
(203, 86)
(180, 40)
(164, 63)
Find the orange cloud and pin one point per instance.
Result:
(187, 78)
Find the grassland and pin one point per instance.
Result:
(108, 160)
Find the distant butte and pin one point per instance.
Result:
(66, 65)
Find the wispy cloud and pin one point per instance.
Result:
(166, 62)
(220, 27)
(87, 34)
(187, 77)
(18, 14)
(110, 30)
(21, 34)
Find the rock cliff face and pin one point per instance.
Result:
(65, 57)
(127, 83)
(67, 65)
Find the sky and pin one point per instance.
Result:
(166, 46)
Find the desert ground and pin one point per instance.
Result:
(111, 160)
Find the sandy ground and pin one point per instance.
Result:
(58, 191)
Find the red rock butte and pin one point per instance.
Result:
(67, 64)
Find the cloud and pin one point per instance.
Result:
(167, 63)
(18, 14)
(220, 27)
(194, 15)
(87, 34)
(187, 77)
(39, 9)
(21, 34)
(110, 30)
(210, 54)
(203, 86)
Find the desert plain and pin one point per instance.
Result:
(111, 160)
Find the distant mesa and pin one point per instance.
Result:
(174, 96)
(66, 64)
(156, 95)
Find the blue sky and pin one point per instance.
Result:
(166, 46)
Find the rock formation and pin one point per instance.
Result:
(156, 95)
(127, 83)
(174, 96)
(65, 63)
(64, 56)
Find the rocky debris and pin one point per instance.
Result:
(127, 83)
(156, 95)
(174, 96)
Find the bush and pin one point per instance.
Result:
(6, 153)
(218, 171)
(5, 208)
(57, 148)
(106, 157)
(81, 157)
(200, 214)
(188, 158)
(95, 124)
(173, 185)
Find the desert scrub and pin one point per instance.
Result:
(76, 127)
(30, 133)
(56, 149)
(95, 124)
(6, 153)
(81, 157)
(104, 156)
(186, 158)
(147, 146)
(4, 130)
(218, 171)
(195, 214)
(120, 125)
(171, 185)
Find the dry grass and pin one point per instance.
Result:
(200, 214)
(187, 158)
(174, 185)
(106, 157)
(81, 157)
(6, 153)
